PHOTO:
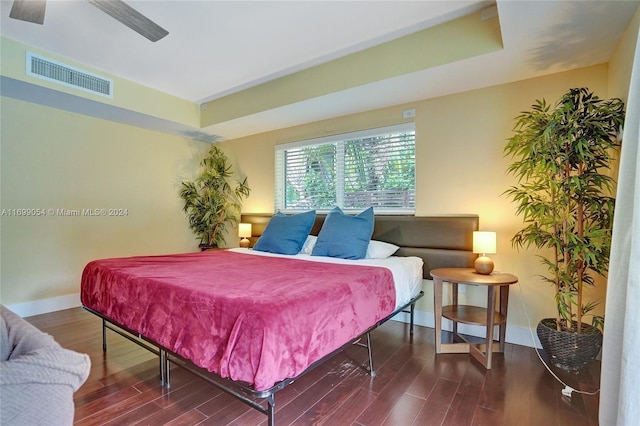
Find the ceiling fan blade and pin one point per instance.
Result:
(133, 19)
(28, 10)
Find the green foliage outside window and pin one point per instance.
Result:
(377, 171)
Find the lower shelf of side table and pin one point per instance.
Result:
(473, 315)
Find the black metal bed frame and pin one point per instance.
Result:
(240, 390)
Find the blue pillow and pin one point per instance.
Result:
(345, 236)
(286, 234)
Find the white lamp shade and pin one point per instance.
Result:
(244, 230)
(484, 242)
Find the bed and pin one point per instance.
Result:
(252, 321)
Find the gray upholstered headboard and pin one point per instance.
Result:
(441, 241)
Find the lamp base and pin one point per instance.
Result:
(245, 243)
(483, 265)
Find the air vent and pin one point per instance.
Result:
(50, 70)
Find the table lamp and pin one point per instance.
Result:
(244, 232)
(484, 242)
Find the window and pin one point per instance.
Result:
(353, 171)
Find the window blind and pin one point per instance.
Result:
(373, 167)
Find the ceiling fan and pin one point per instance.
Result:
(33, 11)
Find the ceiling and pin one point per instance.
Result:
(218, 48)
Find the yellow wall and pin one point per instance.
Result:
(52, 159)
(460, 168)
(621, 61)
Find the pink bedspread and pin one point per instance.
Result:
(254, 319)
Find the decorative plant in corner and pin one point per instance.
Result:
(561, 157)
(210, 201)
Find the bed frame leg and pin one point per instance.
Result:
(271, 410)
(104, 335)
(164, 359)
(411, 321)
(161, 356)
(372, 372)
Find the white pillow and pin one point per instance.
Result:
(380, 250)
(307, 247)
(375, 249)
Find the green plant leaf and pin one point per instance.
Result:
(560, 156)
(211, 201)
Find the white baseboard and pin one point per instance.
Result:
(517, 335)
(45, 306)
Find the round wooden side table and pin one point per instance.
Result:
(475, 315)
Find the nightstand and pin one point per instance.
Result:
(475, 315)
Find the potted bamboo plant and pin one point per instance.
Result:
(561, 157)
(211, 202)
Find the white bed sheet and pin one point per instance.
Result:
(406, 270)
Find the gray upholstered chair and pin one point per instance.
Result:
(37, 376)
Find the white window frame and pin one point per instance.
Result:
(280, 186)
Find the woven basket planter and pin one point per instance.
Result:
(569, 351)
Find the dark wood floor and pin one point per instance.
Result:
(413, 386)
